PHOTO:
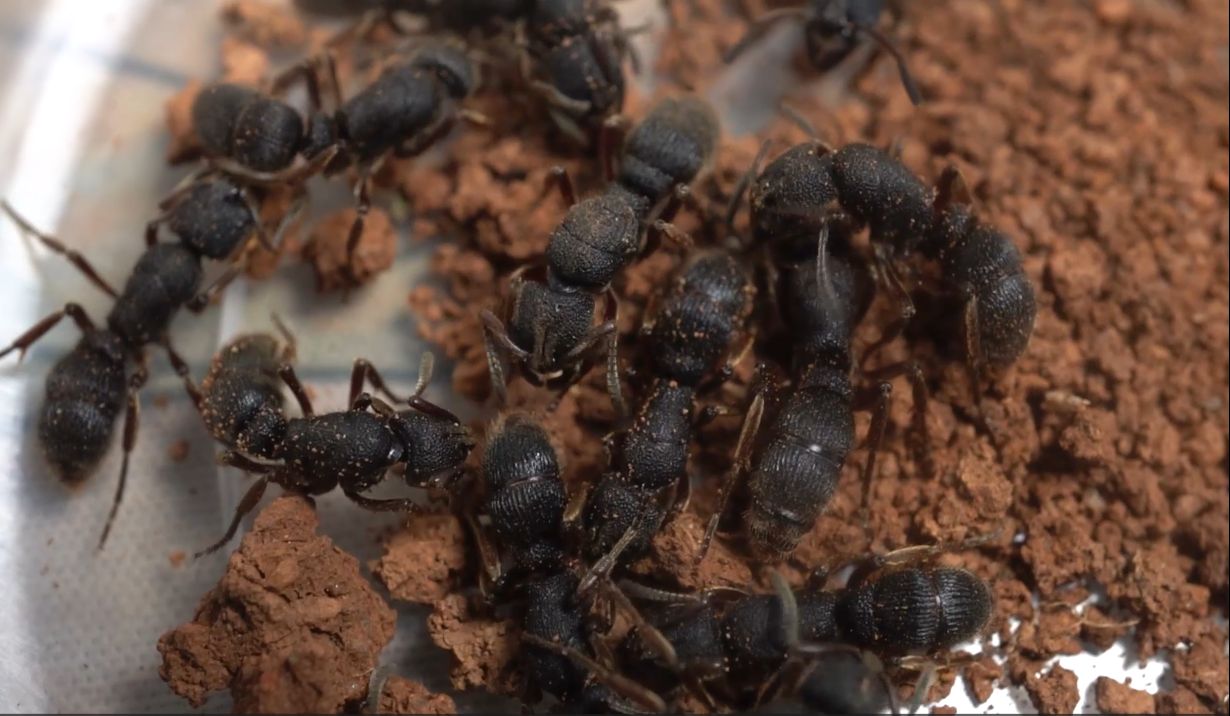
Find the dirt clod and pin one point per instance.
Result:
(421, 559)
(287, 628)
(403, 696)
(326, 249)
(1116, 698)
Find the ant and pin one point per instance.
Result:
(88, 387)
(977, 262)
(792, 458)
(572, 54)
(725, 640)
(690, 338)
(411, 105)
(313, 454)
(833, 30)
(548, 330)
(528, 508)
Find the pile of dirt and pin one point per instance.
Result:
(1095, 134)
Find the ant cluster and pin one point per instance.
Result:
(556, 557)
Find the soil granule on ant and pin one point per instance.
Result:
(292, 627)
(1096, 135)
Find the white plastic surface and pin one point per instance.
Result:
(81, 130)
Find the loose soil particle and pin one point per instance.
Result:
(291, 627)
(1116, 698)
(403, 696)
(421, 559)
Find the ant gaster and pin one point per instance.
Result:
(351, 449)
(88, 387)
(833, 30)
(549, 329)
(690, 338)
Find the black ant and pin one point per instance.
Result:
(833, 29)
(690, 337)
(411, 105)
(87, 388)
(548, 329)
(725, 641)
(313, 454)
(528, 507)
(807, 184)
(793, 457)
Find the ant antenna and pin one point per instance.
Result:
(907, 79)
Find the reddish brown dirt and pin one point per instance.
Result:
(1111, 432)
(1095, 134)
(403, 696)
(326, 249)
(1116, 698)
(292, 627)
(421, 560)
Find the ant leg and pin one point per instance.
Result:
(907, 79)
(736, 198)
(23, 342)
(951, 189)
(402, 504)
(250, 498)
(375, 689)
(491, 579)
(649, 634)
(743, 454)
(973, 365)
(608, 330)
(881, 395)
(499, 347)
(918, 384)
(364, 372)
(184, 186)
(291, 350)
(201, 301)
(302, 70)
(287, 373)
(791, 113)
(363, 204)
(761, 26)
(887, 274)
(132, 421)
(602, 568)
(293, 174)
(617, 682)
(56, 246)
(664, 229)
(559, 179)
(866, 566)
(611, 138)
(181, 369)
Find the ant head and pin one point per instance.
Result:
(452, 65)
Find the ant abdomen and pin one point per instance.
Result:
(597, 238)
(165, 278)
(915, 610)
(669, 147)
(708, 304)
(254, 129)
(653, 452)
(241, 396)
(84, 394)
(984, 265)
(798, 468)
(525, 495)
